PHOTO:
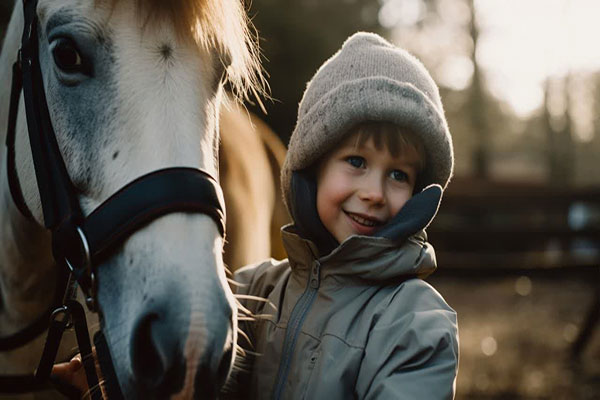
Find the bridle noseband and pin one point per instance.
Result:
(80, 243)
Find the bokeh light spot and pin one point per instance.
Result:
(489, 346)
(570, 332)
(482, 382)
(535, 382)
(455, 72)
(400, 12)
(523, 286)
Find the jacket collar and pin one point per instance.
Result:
(364, 257)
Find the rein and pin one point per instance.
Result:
(80, 243)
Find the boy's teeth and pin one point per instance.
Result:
(362, 221)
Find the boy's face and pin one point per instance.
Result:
(360, 188)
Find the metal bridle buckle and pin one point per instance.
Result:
(66, 320)
(86, 268)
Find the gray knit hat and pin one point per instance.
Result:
(369, 79)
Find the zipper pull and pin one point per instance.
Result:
(315, 275)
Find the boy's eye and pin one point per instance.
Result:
(399, 176)
(356, 161)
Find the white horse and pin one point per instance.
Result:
(132, 87)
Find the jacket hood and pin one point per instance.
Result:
(371, 258)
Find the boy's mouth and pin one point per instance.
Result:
(364, 220)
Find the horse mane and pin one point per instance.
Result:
(222, 25)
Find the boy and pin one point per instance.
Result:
(352, 318)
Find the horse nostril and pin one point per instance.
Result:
(214, 369)
(156, 358)
(148, 362)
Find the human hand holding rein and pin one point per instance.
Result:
(72, 374)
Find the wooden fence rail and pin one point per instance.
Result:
(503, 225)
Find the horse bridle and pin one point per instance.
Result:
(80, 243)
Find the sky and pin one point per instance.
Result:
(521, 43)
(524, 41)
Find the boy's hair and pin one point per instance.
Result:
(390, 137)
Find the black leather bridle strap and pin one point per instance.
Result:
(58, 196)
(39, 380)
(11, 170)
(180, 189)
(111, 383)
(85, 348)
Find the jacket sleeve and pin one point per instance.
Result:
(412, 350)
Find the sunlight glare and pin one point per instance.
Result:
(455, 72)
(524, 42)
(401, 12)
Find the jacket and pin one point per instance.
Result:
(358, 323)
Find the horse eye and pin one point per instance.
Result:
(67, 57)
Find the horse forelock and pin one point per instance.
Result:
(220, 25)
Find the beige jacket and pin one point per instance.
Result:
(355, 324)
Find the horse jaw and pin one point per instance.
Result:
(166, 286)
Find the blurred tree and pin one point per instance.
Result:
(558, 124)
(477, 106)
(596, 107)
(445, 36)
(297, 37)
(566, 149)
(551, 132)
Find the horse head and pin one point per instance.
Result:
(133, 87)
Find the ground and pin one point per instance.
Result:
(516, 332)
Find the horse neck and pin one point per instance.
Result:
(27, 275)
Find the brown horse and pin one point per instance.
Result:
(250, 158)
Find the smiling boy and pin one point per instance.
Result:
(365, 170)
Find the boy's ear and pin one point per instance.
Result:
(416, 215)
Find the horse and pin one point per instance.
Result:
(132, 87)
(250, 159)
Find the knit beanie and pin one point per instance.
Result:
(369, 79)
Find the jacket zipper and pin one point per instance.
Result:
(294, 324)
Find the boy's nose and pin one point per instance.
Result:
(372, 191)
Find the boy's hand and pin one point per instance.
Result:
(72, 373)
